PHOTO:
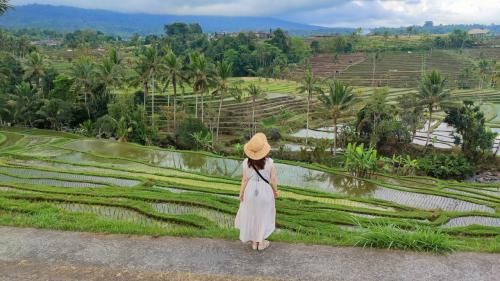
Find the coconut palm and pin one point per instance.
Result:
(375, 59)
(22, 104)
(223, 72)
(146, 68)
(254, 91)
(432, 94)
(4, 6)
(337, 100)
(310, 86)
(83, 75)
(34, 68)
(484, 70)
(110, 71)
(201, 75)
(173, 66)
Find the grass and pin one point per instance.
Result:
(208, 202)
(421, 239)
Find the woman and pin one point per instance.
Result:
(259, 187)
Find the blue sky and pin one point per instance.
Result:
(354, 13)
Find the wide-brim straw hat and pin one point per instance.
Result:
(258, 147)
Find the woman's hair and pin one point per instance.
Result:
(259, 164)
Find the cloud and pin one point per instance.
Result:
(350, 13)
(400, 13)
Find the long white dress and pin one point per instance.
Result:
(256, 218)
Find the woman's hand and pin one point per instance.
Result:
(276, 193)
(242, 194)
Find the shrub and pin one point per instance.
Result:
(274, 134)
(185, 131)
(105, 126)
(87, 128)
(422, 239)
(445, 166)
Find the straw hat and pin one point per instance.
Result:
(258, 147)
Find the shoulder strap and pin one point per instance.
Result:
(260, 175)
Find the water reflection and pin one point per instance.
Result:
(287, 174)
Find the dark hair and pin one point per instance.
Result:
(259, 164)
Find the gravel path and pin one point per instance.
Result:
(32, 254)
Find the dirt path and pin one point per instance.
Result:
(32, 254)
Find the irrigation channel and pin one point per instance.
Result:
(182, 190)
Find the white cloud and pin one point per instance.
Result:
(353, 13)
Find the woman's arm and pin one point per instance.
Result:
(274, 181)
(244, 181)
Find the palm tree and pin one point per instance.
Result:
(432, 94)
(146, 68)
(107, 74)
(375, 58)
(23, 103)
(337, 99)
(484, 70)
(254, 91)
(110, 71)
(201, 76)
(223, 72)
(309, 85)
(34, 68)
(4, 6)
(83, 75)
(173, 66)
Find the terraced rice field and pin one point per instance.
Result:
(105, 186)
(404, 69)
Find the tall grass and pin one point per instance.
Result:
(422, 239)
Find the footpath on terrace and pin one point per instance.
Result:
(33, 254)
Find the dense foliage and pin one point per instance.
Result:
(472, 134)
(446, 166)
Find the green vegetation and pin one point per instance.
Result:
(147, 190)
(423, 239)
(184, 91)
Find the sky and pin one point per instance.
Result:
(331, 13)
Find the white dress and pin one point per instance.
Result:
(256, 216)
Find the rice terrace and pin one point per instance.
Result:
(123, 132)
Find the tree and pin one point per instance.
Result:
(4, 6)
(281, 40)
(410, 112)
(173, 66)
(337, 100)
(83, 75)
(468, 121)
(254, 91)
(375, 58)
(223, 72)
(310, 86)
(410, 30)
(432, 94)
(146, 68)
(57, 112)
(34, 68)
(201, 75)
(485, 69)
(110, 71)
(23, 104)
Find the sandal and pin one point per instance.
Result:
(264, 245)
(255, 245)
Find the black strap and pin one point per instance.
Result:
(260, 175)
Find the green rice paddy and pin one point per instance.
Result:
(63, 181)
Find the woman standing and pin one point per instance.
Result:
(259, 187)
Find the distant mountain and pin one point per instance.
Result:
(64, 18)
